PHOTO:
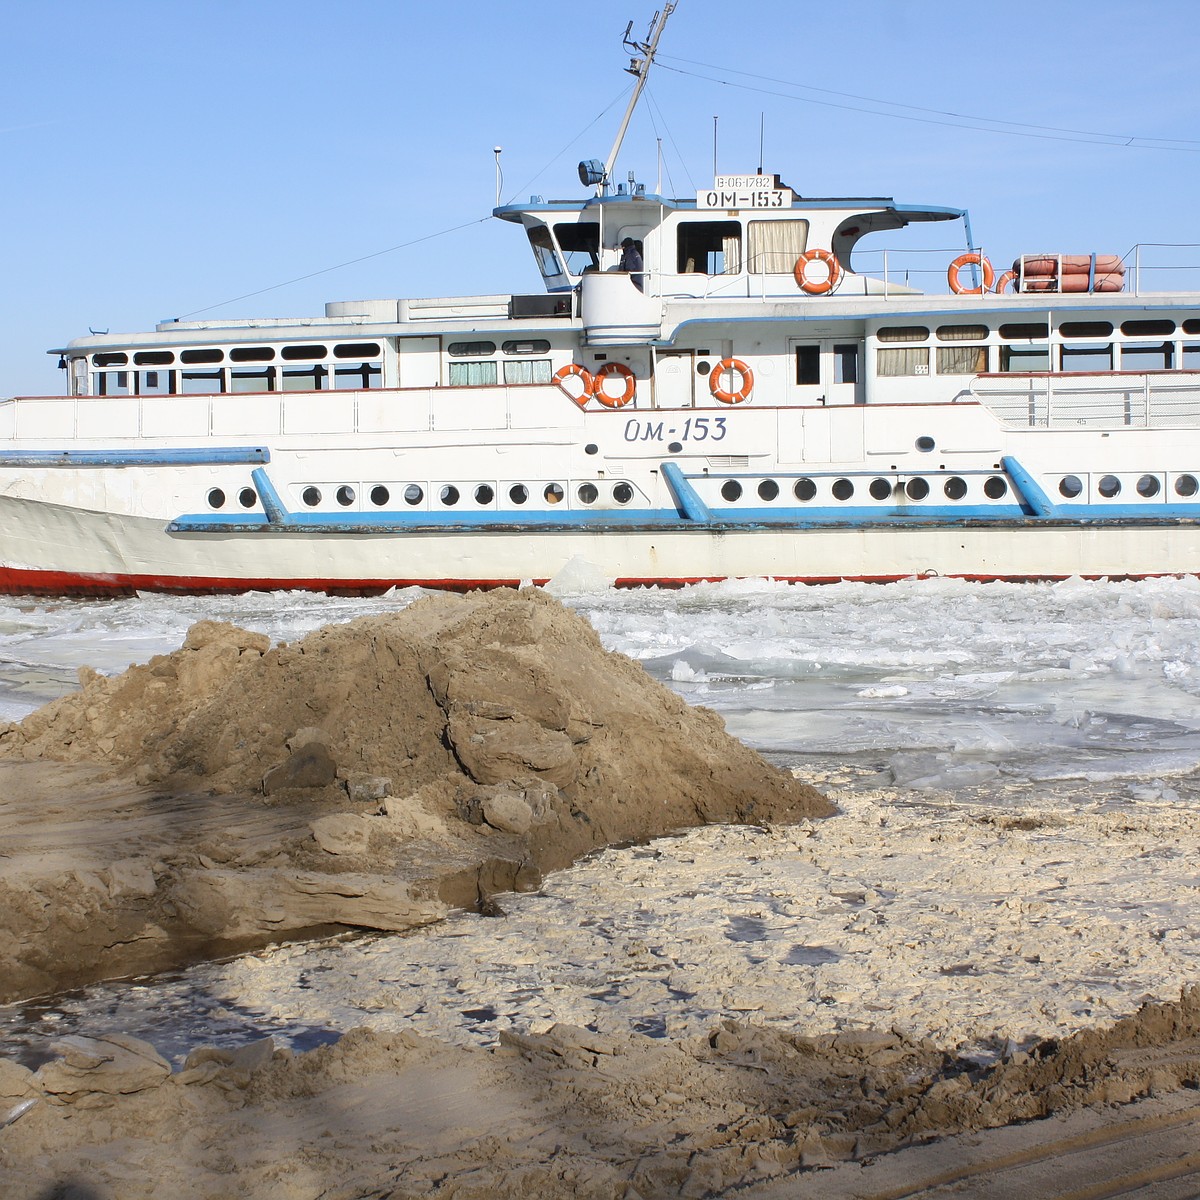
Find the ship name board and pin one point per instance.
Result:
(745, 191)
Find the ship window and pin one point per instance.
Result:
(961, 333)
(543, 249)
(449, 495)
(955, 488)
(302, 379)
(1191, 356)
(1070, 486)
(1024, 329)
(917, 489)
(526, 347)
(808, 364)
(1158, 328)
(842, 489)
(303, 353)
(484, 493)
(902, 333)
(201, 356)
(109, 360)
(768, 489)
(251, 381)
(995, 488)
(961, 360)
(622, 493)
(880, 489)
(1092, 329)
(845, 363)
(804, 489)
(1087, 357)
(1186, 485)
(1025, 358)
(1109, 486)
(154, 383)
(709, 248)
(1147, 356)
(360, 376)
(731, 490)
(532, 370)
(113, 383)
(470, 349)
(911, 360)
(153, 358)
(252, 354)
(580, 244)
(1192, 325)
(359, 350)
(774, 246)
(1149, 486)
(201, 383)
(472, 374)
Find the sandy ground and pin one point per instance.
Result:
(377, 775)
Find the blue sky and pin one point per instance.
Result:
(163, 158)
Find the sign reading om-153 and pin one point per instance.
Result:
(745, 191)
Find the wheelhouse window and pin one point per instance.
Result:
(114, 383)
(303, 379)
(774, 246)
(471, 374)
(243, 379)
(580, 245)
(358, 376)
(543, 251)
(709, 248)
(154, 383)
(845, 363)
(808, 365)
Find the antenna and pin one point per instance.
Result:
(641, 68)
(497, 151)
(714, 147)
(762, 124)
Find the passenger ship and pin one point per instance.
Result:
(742, 399)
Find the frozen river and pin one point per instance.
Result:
(917, 700)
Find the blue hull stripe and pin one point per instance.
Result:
(135, 458)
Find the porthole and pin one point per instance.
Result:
(216, 498)
(484, 493)
(448, 495)
(518, 493)
(925, 444)
(380, 495)
(703, 368)
(413, 494)
(591, 448)
(768, 489)
(311, 496)
(843, 489)
(1070, 486)
(804, 489)
(955, 488)
(1148, 486)
(588, 493)
(675, 448)
(247, 497)
(731, 490)
(622, 493)
(345, 495)
(880, 489)
(917, 489)
(1186, 485)
(553, 493)
(995, 488)
(1109, 486)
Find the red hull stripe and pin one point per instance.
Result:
(17, 582)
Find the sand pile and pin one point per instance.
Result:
(368, 776)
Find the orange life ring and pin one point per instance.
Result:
(583, 375)
(614, 368)
(1003, 280)
(965, 260)
(743, 393)
(817, 287)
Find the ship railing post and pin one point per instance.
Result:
(885, 274)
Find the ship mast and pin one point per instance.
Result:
(641, 68)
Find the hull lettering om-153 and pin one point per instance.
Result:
(694, 429)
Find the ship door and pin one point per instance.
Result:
(826, 371)
(675, 379)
